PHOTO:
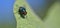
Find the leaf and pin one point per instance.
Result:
(31, 20)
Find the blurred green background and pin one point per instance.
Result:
(48, 10)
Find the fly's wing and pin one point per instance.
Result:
(31, 20)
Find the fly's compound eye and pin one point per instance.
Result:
(22, 12)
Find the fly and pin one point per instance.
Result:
(22, 12)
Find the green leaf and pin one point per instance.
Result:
(31, 20)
